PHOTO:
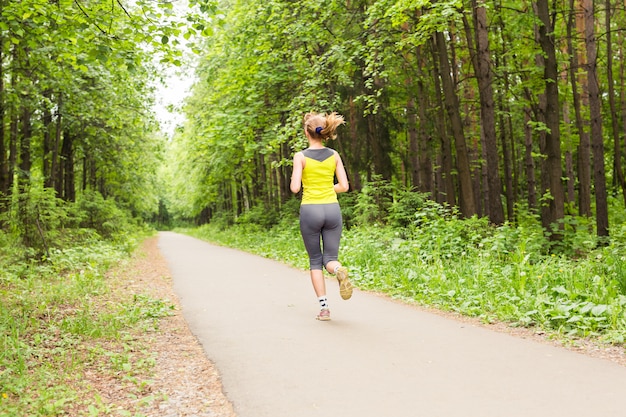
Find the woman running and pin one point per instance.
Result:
(314, 170)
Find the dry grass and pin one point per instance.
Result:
(179, 380)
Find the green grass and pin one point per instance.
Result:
(59, 320)
(506, 274)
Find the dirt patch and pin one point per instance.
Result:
(182, 381)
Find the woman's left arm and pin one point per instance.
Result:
(296, 175)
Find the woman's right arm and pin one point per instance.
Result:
(342, 178)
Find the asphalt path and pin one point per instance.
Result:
(255, 319)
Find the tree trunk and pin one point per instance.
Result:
(90, 177)
(466, 200)
(285, 193)
(23, 182)
(355, 180)
(618, 171)
(85, 170)
(419, 150)
(274, 183)
(622, 98)
(47, 140)
(261, 183)
(570, 175)
(509, 175)
(446, 191)
(507, 136)
(484, 76)
(379, 138)
(13, 142)
(595, 115)
(583, 159)
(13, 133)
(25, 151)
(54, 168)
(552, 172)
(414, 161)
(424, 138)
(4, 166)
(480, 175)
(529, 160)
(67, 171)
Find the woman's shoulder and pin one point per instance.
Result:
(318, 154)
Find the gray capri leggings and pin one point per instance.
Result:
(321, 220)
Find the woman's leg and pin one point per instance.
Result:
(332, 266)
(331, 236)
(311, 224)
(319, 283)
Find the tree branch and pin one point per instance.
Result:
(89, 17)
(123, 8)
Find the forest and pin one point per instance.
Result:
(485, 143)
(490, 107)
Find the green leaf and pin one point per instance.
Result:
(599, 309)
(560, 290)
(574, 319)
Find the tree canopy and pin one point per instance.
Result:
(489, 106)
(77, 86)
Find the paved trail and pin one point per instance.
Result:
(376, 358)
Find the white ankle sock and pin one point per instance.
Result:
(323, 301)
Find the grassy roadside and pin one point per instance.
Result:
(499, 275)
(70, 331)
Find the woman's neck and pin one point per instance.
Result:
(316, 144)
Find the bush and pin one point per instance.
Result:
(405, 208)
(33, 220)
(259, 215)
(373, 202)
(93, 211)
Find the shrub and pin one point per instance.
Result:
(93, 211)
(404, 210)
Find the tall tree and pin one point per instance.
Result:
(552, 172)
(466, 194)
(583, 155)
(595, 113)
(618, 170)
(484, 75)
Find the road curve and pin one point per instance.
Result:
(255, 320)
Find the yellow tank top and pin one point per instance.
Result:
(318, 176)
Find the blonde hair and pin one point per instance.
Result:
(323, 126)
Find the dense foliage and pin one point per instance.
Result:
(77, 85)
(489, 106)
